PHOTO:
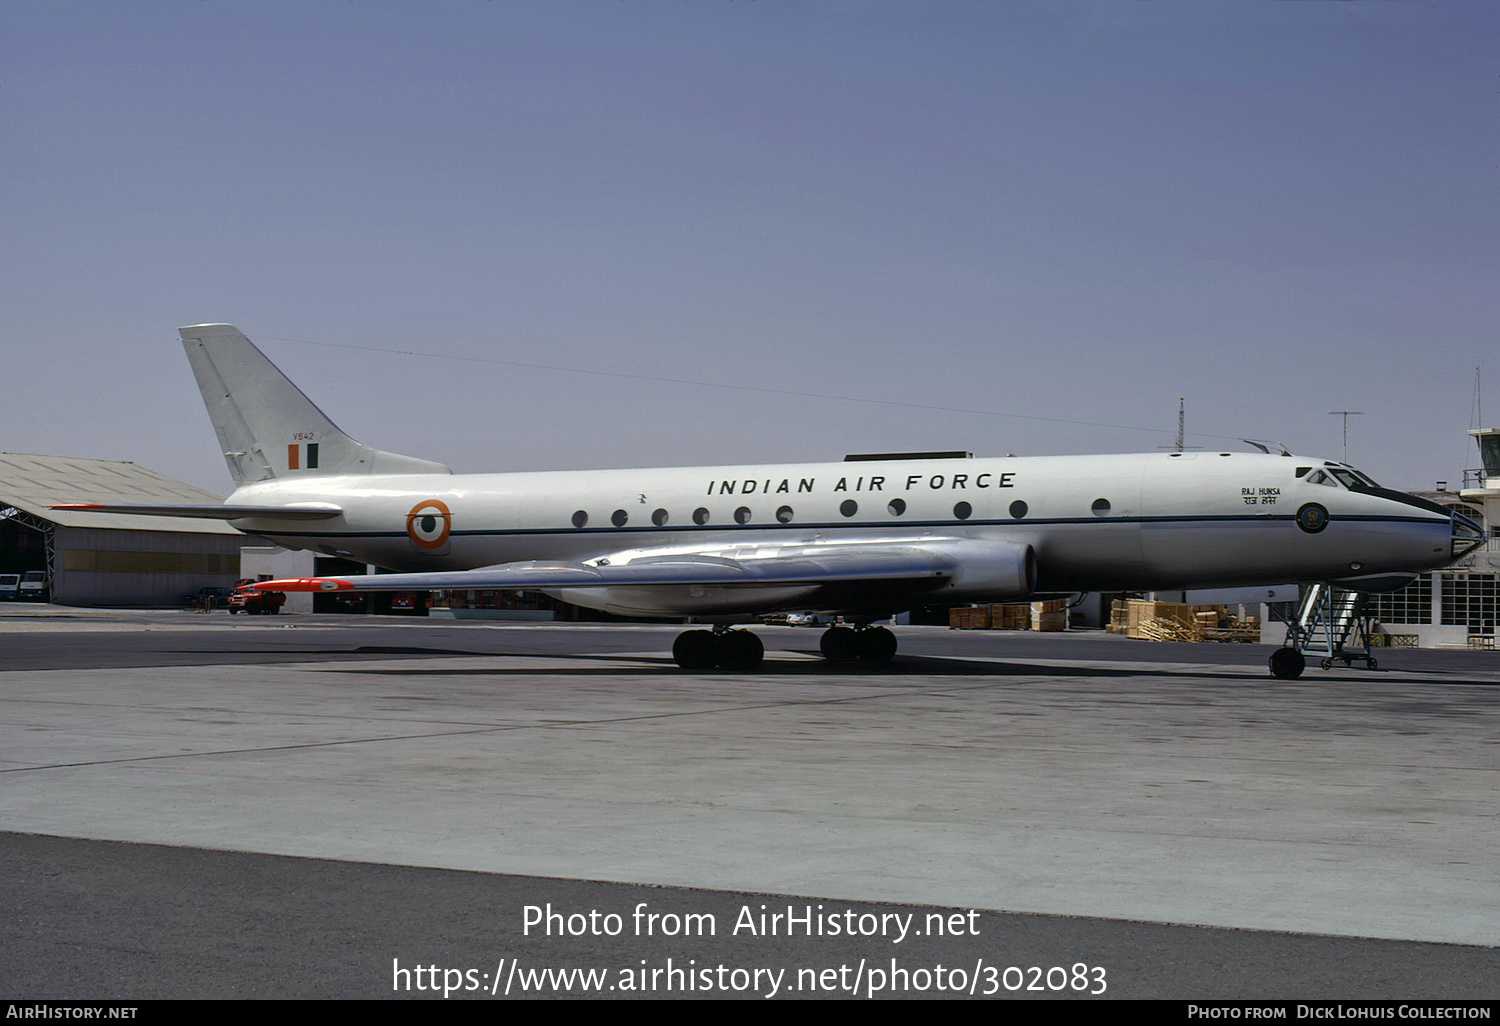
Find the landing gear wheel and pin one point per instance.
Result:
(695, 650)
(1326, 664)
(839, 644)
(1287, 663)
(1373, 664)
(739, 650)
(876, 645)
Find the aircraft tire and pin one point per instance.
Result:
(1287, 663)
(739, 650)
(876, 645)
(695, 650)
(839, 644)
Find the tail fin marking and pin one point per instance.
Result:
(256, 410)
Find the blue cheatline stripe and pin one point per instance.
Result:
(869, 525)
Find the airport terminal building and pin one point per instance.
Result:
(1457, 606)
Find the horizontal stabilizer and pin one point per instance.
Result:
(299, 511)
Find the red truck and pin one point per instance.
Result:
(251, 601)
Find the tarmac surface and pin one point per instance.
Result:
(310, 805)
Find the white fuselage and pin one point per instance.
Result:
(1094, 523)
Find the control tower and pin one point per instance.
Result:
(1487, 495)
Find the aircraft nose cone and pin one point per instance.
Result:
(1467, 535)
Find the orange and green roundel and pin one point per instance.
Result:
(428, 524)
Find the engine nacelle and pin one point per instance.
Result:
(987, 571)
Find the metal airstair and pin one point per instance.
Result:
(1332, 624)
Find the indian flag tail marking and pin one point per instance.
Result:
(302, 455)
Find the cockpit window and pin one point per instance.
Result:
(1345, 474)
(1319, 478)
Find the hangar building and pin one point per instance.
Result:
(98, 559)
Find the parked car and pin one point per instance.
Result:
(246, 598)
(10, 587)
(209, 598)
(33, 586)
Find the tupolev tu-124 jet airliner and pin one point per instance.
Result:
(863, 539)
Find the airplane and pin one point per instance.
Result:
(862, 539)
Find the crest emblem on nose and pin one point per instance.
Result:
(1312, 518)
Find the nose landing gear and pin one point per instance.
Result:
(1331, 625)
(1287, 663)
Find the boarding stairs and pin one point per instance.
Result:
(1332, 624)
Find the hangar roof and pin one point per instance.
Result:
(33, 483)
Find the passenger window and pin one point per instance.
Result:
(700, 516)
(784, 515)
(659, 518)
(849, 507)
(896, 507)
(619, 518)
(580, 518)
(742, 515)
(963, 510)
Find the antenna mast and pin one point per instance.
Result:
(1181, 428)
(1346, 414)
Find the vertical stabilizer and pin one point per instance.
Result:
(266, 426)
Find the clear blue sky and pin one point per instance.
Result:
(1027, 210)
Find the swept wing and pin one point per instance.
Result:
(298, 511)
(867, 564)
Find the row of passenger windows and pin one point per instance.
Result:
(785, 514)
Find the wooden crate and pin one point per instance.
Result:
(1010, 616)
(969, 618)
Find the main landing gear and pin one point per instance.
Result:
(721, 647)
(863, 642)
(740, 650)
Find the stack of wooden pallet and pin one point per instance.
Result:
(1165, 629)
(1176, 621)
(1166, 620)
(1000, 617)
